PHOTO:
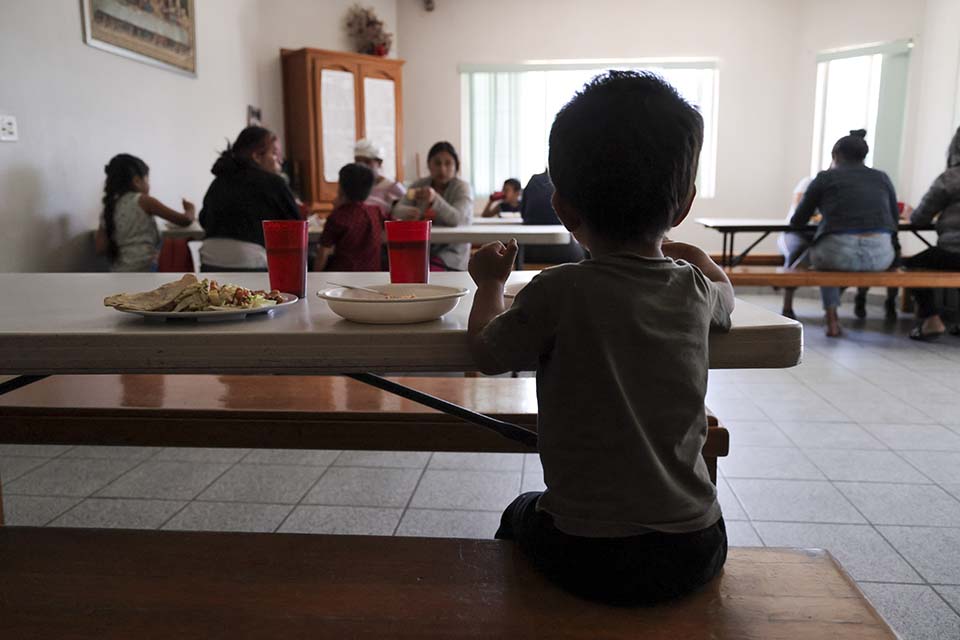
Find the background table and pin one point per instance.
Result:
(56, 323)
(476, 233)
(729, 227)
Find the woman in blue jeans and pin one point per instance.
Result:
(859, 225)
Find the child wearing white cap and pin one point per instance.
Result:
(385, 191)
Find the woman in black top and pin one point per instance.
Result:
(247, 190)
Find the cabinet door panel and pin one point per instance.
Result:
(382, 110)
(380, 120)
(338, 122)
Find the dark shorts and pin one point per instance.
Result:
(636, 570)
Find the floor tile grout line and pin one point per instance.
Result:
(880, 533)
(921, 472)
(299, 502)
(416, 486)
(955, 609)
(188, 501)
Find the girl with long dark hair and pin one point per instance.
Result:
(128, 234)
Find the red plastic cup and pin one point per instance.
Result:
(408, 244)
(900, 207)
(286, 243)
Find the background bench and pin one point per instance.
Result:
(276, 412)
(83, 583)
(803, 277)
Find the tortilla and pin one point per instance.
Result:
(160, 299)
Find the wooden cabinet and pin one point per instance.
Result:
(332, 99)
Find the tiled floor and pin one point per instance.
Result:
(857, 450)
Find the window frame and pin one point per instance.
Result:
(706, 180)
(891, 48)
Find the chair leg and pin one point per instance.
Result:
(1, 502)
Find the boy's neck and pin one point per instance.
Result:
(600, 247)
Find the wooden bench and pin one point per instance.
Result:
(282, 412)
(83, 583)
(802, 277)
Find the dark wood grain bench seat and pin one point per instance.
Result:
(803, 277)
(106, 584)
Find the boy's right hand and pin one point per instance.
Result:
(493, 263)
(189, 209)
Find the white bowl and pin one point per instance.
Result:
(430, 302)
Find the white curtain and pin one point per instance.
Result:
(508, 115)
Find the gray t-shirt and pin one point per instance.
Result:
(620, 345)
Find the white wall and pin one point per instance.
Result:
(77, 106)
(767, 51)
(755, 41)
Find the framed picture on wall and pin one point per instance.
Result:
(158, 32)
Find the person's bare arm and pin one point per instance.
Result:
(699, 258)
(492, 209)
(323, 257)
(156, 208)
(101, 243)
(489, 267)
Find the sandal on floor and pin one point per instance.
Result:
(917, 334)
(954, 330)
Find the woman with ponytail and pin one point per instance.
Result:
(128, 234)
(247, 190)
(858, 231)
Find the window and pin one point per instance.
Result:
(861, 88)
(507, 111)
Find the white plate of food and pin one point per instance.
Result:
(400, 304)
(190, 298)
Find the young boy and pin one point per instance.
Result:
(620, 345)
(506, 200)
(352, 233)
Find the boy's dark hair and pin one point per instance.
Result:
(852, 148)
(624, 153)
(442, 146)
(356, 181)
(513, 183)
(121, 170)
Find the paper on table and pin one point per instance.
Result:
(339, 121)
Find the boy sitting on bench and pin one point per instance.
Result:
(620, 343)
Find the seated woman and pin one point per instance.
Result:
(859, 224)
(942, 201)
(247, 190)
(447, 201)
(536, 208)
(385, 192)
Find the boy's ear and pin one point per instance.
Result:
(686, 209)
(569, 216)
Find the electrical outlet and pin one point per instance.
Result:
(8, 129)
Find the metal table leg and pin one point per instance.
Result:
(506, 429)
